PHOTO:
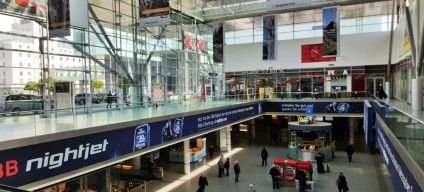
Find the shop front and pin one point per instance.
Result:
(336, 82)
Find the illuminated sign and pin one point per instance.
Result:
(337, 72)
(266, 71)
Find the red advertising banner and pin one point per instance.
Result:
(313, 53)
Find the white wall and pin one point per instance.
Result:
(356, 50)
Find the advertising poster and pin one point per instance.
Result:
(406, 42)
(269, 38)
(59, 18)
(154, 13)
(202, 45)
(331, 35)
(189, 43)
(317, 107)
(313, 53)
(218, 43)
(33, 163)
(36, 8)
(158, 92)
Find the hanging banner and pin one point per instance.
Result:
(154, 13)
(406, 42)
(331, 34)
(189, 43)
(25, 7)
(269, 39)
(59, 18)
(218, 43)
(202, 45)
(313, 53)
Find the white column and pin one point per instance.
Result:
(187, 156)
(253, 128)
(136, 162)
(352, 126)
(228, 133)
(388, 89)
(223, 139)
(417, 98)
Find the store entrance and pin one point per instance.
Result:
(372, 84)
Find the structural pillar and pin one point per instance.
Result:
(388, 90)
(228, 138)
(187, 156)
(253, 128)
(136, 162)
(417, 98)
(352, 125)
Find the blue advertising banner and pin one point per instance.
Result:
(368, 123)
(28, 164)
(317, 107)
(401, 177)
(269, 38)
(331, 34)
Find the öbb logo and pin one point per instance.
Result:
(8, 168)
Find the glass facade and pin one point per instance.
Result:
(114, 54)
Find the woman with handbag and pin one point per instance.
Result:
(342, 183)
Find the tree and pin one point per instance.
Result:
(98, 84)
(32, 86)
(124, 84)
(51, 80)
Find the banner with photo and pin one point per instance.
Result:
(269, 45)
(189, 43)
(331, 32)
(154, 13)
(218, 43)
(36, 8)
(59, 18)
(202, 44)
(313, 53)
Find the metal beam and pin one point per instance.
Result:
(157, 42)
(101, 40)
(78, 48)
(411, 39)
(389, 63)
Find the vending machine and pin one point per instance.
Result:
(290, 170)
(279, 164)
(306, 167)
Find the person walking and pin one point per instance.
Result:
(211, 151)
(236, 170)
(333, 149)
(264, 155)
(302, 180)
(251, 188)
(109, 100)
(227, 167)
(203, 182)
(342, 183)
(349, 151)
(274, 175)
(380, 91)
(221, 166)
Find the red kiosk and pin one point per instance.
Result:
(306, 167)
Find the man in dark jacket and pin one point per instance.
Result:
(349, 151)
(342, 183)
(202, 182)
(227, 167)
(274, 175)
(264, 155)
(109, 100)
(211, 150)
(236, 171)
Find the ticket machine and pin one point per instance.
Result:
(290, 170)
(306, 167)
(279, 164)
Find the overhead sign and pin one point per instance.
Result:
(213, 74)
(309, 110)
(274, 5)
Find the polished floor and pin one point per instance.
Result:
(366, 173)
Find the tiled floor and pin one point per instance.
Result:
(366, 173)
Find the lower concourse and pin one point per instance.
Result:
(366, 172)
